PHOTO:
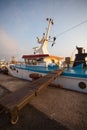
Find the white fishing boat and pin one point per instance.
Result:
(41, 63)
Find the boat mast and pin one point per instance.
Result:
(49, 26)
(44, 40)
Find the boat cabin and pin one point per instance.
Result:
(35, 59)
(41, 59)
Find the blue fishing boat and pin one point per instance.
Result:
(38, 63)
(41, 63)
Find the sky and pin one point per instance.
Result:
(21, 21)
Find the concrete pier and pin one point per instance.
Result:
(65, 109)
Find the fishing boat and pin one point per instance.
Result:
(41, 63)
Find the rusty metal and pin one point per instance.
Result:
(14, 117)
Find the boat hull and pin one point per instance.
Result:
(72, 83)
(23, 74)
(67, 82)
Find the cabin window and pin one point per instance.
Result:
(40, 59)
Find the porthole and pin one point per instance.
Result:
(82, 85)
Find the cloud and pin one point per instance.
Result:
(8, 46)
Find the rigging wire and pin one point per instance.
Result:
(54, 38)
(71, 28)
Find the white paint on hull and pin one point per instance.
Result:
(71, 83)
(23, 74)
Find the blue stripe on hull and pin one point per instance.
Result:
(70, 72)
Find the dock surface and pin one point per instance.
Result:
(62, 108)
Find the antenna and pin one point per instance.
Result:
(45, 38)
(49, 24)
(54, 39)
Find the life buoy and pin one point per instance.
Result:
(82, 85)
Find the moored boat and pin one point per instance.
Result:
(41, 63)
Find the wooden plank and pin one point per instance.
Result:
(46, 80)
(13, 99)
(18, 99)
(21, 95)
